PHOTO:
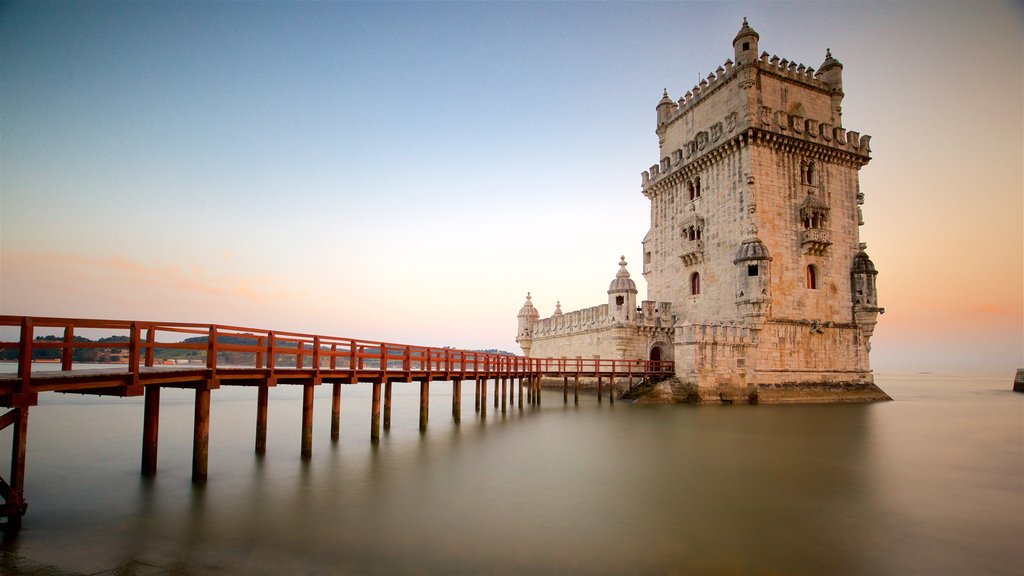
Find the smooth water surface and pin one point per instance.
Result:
(932, 483)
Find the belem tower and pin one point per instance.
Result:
(758, 285)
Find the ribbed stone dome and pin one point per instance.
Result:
(745, 30)
(752, 249)
(829, 62)
(862, 264)
(528, 311)
(622, 282)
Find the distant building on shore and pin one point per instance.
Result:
(758, 285)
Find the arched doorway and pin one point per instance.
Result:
(660, 351)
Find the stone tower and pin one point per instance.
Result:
(755, 215)
(753, 260)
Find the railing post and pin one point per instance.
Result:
(25, 354)
(211, 349)
(67, 352)
(150, 346)
(334, 356)
(271, 351)
(133, 351)
(316, 354)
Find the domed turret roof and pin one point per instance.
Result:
(528, 311)
(622, 282)
(752, 249)
(829, 62)
(745, 30)
(862, 264)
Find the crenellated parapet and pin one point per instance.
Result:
(728, 332)
(819, 140)
(595, 317)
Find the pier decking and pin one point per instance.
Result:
(262, 359)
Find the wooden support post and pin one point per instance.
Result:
(150, 429)
(424, 404)
(457, 400)
(387, 405)
(538, 390)
(262, 400)
(512, 391)
(335, 410)
(16, 504)
(496, 393)
(576, 390)
(307, 421)
(522, 383)
(611, 389)
(565, 389)
(483, 397)
(504, 394)
(201, 435)
(375, 413)
(476, 396)
(599, 391)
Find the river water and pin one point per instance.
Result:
(931, 484)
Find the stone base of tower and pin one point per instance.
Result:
(774, 362)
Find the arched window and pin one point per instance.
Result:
(696, 187)
(810, 173)
(695, 284)
(691, 189)
(812, 277)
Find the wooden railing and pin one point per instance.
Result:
(233, 347)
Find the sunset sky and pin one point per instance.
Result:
(408, 171)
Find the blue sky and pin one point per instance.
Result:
(407, 171)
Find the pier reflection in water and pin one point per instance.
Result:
(929, 484)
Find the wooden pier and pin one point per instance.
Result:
(262, 359)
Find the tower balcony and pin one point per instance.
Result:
(815, 241)
(692, 252)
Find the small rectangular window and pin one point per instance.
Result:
(746, 45)
(752, 270)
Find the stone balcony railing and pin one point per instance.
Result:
(815, 240)
(692, 252)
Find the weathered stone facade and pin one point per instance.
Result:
(758, 285)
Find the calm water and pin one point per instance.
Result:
(932, 483)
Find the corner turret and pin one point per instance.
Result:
(665, 108)
(622, 295)
(865, 296)
(753, 279)
(831, 73)
(527, 316)
(745, 44)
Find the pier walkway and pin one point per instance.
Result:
(217, 355)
